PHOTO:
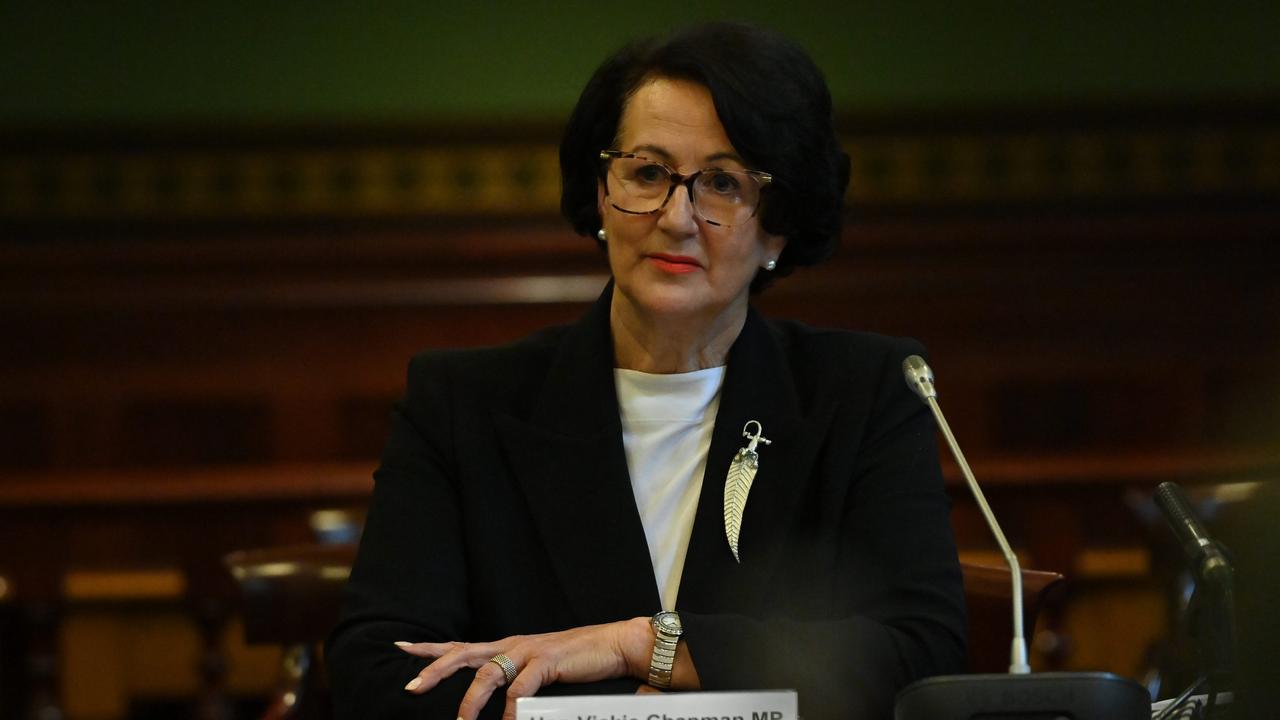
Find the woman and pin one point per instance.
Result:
(537, 504)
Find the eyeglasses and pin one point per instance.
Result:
(637, 185)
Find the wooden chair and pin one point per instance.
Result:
(292, 597)
(988, 593)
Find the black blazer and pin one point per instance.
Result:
(503, 506)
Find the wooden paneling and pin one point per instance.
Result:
(1052, 333)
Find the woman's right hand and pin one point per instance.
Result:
(583, 654)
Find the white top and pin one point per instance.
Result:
(666, 430)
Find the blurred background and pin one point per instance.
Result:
(226, 226)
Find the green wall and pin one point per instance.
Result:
(293, 62)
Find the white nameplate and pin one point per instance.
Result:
(754, 705)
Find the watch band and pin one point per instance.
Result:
(667, 630)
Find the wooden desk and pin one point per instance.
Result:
(151, 538)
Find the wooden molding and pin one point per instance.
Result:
(398, 174)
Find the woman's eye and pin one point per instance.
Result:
(651, 174)
(722, 182)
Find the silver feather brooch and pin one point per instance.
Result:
(737, 484)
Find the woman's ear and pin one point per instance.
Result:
(774, 245)
(601, 194)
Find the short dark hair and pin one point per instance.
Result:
(774, 105)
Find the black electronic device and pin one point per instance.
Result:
(1212, 609)
(1029, 696)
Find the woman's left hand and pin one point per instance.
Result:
(584, 654)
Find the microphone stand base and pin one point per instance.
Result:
(1035, 696)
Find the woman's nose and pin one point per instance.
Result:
(679, 215)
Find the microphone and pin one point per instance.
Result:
(920, 379)
(1214, 615)
(1021, 693)
(1208, 563)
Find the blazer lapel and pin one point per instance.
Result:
(758, 386)
(569, 461)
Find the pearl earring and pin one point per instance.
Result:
(604, 236)
(771, 265)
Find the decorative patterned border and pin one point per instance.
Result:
(1067, 166)
(385, 182)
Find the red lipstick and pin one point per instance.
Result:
(674, 264)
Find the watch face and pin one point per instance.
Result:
(670, 622)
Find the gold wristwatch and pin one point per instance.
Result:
(666, 635)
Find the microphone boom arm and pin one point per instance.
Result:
(920, 379)
(1018, 651)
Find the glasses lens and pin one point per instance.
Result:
(726, 197)
(638, 185)
(722, 197)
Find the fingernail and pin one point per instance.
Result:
(413, 684)
(402, 643)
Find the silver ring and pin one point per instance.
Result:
(508, 667)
